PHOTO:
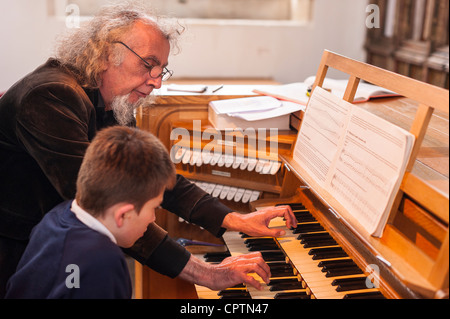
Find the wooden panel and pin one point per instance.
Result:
(425, 272)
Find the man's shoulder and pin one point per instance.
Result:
(51, 74)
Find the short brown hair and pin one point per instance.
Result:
(123, 164)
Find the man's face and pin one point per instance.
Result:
(132, 77)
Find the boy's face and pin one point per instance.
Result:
(136, 224)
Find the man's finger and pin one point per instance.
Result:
(291, 221)
(249, 280)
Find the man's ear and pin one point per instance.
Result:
(122, 212)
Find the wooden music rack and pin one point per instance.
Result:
(417, 201)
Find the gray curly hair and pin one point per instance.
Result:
(85, 51)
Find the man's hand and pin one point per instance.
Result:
(256, 224)
(230, 272)
(234, 270)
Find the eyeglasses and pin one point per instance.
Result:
(153, 70)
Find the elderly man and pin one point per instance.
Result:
(100, 74)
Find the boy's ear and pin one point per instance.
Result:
(121, 213)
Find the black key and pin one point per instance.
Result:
(308, 228)
(281, 269)
(280, 265)
(273, 256)
(252, 241)
(335, 263)
(217, 254)
(292, 295)
(344, 281)
(232, 292)
(334, 266)
(263, 247)
(216, 257)
(302, 212)
(347, 284)
(327, 253)
(365, 295)
(293, 205)
(286, 286)
(280, 281)
(243, 296)
(343, 272)
(304, 217)
(282, 272)
(313, 236)
(323, 243)
(316, 240)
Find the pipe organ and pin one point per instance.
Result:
(325, 256)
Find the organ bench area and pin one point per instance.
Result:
(325, 256)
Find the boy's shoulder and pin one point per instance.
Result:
(61, 246)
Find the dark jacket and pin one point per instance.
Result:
(47, 121)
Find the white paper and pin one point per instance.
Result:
(294, 92)
(247, 104)
(285, 108)
(354, 155)
(194, 88)
(363, 92)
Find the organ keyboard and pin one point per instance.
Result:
(330, 256)
(305, 263)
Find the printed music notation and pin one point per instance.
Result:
(326, 123)
(352, 156)
(362, 170)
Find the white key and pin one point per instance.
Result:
(246, 196)
(239, 194)
(259, 165)
(217, 190)
(210, 188)
(194, 157)
(237, 162)
(187, 156)
(255, 196)
(229, 159)
(251, 164)
(207, 157)
(275, 168)
(199, 160)
(244, 164)
(224, 192)
(267, 165)
(231, 193)
(221, 161)
(215, 159)
(179, 154)
(203, 185)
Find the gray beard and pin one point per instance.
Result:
(123, 110)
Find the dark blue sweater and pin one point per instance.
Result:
(61, 240)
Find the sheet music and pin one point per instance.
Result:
(354, 155)
(319, 138)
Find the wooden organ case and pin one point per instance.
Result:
(411, 256)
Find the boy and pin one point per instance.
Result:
(74, 251)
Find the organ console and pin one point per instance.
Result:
(326, 255)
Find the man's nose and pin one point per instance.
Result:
(156, 82)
